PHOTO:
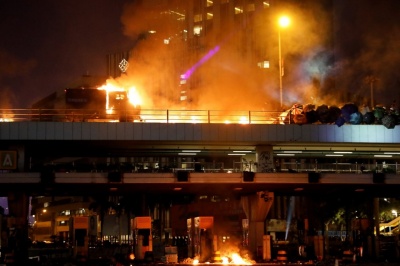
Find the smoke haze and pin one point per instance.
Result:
(328, 51)
(228, 82)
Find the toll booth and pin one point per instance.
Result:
(200, 232)
(82, 229)
(142, 235)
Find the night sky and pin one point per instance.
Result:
(47, 45)
(367, 39)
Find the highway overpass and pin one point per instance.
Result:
(235, 147)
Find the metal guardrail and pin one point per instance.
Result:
(144, 115)
(219, 167)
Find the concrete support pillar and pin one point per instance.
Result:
(18, 204)
(256, 208)
(256, 233)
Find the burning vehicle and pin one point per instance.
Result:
(100, 104)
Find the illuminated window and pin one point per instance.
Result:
(238, 10)
(197, 30)
(65, 213)
(209, 3)
(263, 64)
(209, 15)
(266, 4)
(63, 223)
(198, 18)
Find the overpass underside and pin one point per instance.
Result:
(186, 161)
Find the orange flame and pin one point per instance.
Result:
(232, 259)
(132, 94)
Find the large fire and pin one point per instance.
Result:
(132, 94)
(231, 258)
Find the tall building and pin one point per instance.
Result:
(226, 54)
(188, 50)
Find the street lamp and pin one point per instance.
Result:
(283, 23)
(371, 80)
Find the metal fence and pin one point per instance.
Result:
(146, 115)
(217, 167)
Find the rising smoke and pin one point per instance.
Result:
(328, 51)
(228, 81)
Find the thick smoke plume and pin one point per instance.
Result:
(228, 82)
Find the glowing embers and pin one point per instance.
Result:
(7, 116)
(220, 258)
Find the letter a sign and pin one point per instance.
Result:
(8, 160)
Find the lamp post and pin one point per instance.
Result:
(283, 23)
(371, 80)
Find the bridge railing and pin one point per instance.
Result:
(339, 167)
(215, 167)
(143, 115)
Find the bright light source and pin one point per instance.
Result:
(344, 152)
(237, 154)
(191, 151)
(284, 21)
(334, 155)
(382, 156)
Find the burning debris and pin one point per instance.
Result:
(231, 258)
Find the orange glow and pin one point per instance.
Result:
(236, 259)
(231, 259)
(284, 21)
(132, 95)
(244, 120)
